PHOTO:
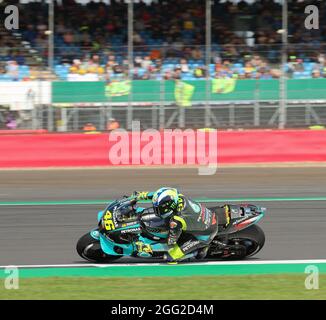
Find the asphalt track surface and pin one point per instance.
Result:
(44, 234)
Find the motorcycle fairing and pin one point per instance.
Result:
(108, 245)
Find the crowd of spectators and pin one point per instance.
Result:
(90, 40)
(252, 67)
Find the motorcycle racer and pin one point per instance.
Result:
(191, 226)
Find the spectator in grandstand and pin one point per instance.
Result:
(76, 64)
(13, 70)
(136, 74)
(248, 75)
(294, 65)
(249, 68)
(316, 74)
(168, 75)
(137, 39)
(262, 73)
(89, 127)
(112, 124)
(200, 72)
(137, 62)
(68, 37)
(146, 63)
(184, 66)
(93, 27)
(92, 63)
(156, 66)
(275, 73)
(155, 54)
(196, 53)
(222, 70)
(111, 61)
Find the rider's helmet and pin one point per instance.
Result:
(165, 202)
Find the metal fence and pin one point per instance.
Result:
(222, 116)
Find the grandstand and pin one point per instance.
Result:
(98, 64)
(162, 46)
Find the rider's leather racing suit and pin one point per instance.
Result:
(191, 228)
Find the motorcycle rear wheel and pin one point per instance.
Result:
(90, 249)
(252, 238)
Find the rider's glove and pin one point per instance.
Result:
(135, 194)
(174, 232)
(140, 195)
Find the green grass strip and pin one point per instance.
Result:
(261, 287)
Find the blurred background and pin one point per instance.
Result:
(80, 65)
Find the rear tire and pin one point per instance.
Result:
(90, 249)
(251, 239)
(253, 234)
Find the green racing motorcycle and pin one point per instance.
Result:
(122, 223)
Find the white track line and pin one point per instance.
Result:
(312, 164)
(217, 263)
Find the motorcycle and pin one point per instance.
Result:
(121, 224)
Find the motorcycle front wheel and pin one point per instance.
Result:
(90, 249)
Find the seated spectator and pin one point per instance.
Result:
(168, 75)
(196, 54)
(249, 68)
(275, 73)
(248, 75)
(146, 62)
(155, 54)
(88, 127)
(68, 37)
(111, 61)
(138, 62)
(200, 72)
(76, 65)
(93, 28)
(136, 75)
(184, 66)
(94, 62)
(13, 70)
(112, 124)
(137, 39)
(316, 74)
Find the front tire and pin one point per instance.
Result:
(90, 249)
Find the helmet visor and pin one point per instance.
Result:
(163, 210)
